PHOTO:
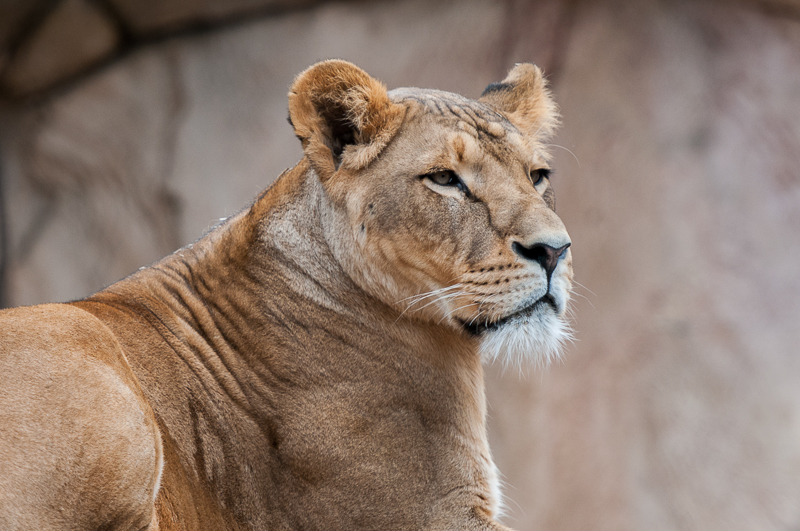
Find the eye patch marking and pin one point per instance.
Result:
(460, 148)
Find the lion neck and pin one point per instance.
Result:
(284, 255)
(303, 237)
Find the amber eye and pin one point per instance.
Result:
(447, 178)
(537, 176)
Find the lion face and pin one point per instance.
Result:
(450, 218)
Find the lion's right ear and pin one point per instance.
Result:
(342, 116)
(524, 98)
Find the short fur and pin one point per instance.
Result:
(314, 362)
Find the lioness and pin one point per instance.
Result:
(313, 362)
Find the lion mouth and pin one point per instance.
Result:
(479, 328)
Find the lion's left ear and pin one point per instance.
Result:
(342, 116)
(524, 98)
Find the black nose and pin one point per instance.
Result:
(546, 255)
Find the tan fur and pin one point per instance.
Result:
(310, 363)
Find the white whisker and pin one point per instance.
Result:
(584, 287)
(573, 292)
(568, 151)
(439, 295)
(427, 294)
(451, 312)
(477, 314)
(527, 133)
(440, 299)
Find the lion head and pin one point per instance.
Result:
(443, 207)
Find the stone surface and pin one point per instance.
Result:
(678, 407)
(91, 196)
(73, 37)
(676, 173)
(147, 16)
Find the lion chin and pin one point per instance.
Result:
(535, 337)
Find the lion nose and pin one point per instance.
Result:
(546, 255)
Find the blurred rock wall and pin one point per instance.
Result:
(128, 128)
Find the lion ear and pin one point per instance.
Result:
(341, 115)
(524, 98)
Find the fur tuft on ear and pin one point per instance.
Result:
(524, 98)
(342, 116)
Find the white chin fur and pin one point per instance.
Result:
(533, 340)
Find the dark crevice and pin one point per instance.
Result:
(131, 42)
(781, 10)
(29, 26)
(4, 258)
(124, 31)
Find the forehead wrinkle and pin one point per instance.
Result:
(473, 120)
(486, 122)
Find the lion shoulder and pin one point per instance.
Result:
(71, 411)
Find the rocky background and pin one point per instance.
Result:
(127, 127)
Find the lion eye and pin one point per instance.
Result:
(537, 176)
(447, 178)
